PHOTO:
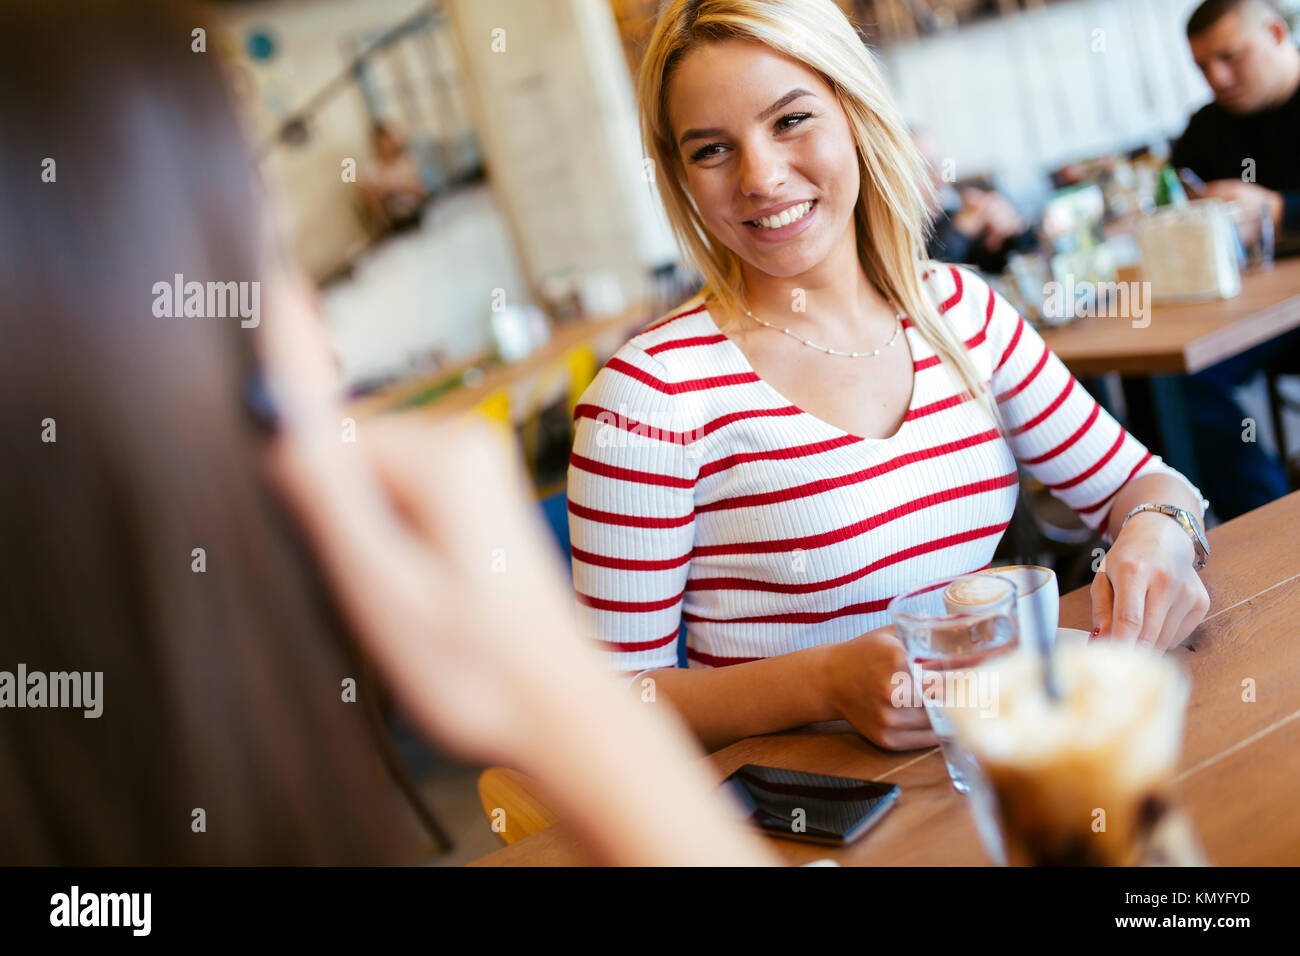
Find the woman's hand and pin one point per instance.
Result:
(1148, 589)
(434, 552)
(451, 589)
(869, 684)
(437, 557)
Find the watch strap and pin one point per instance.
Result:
(1186, 520)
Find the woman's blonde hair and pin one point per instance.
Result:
(890, 217)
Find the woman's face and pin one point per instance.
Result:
(761, 135)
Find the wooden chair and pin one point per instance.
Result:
(513, 803)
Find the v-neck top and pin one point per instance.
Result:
(908, 331)
(700, 494)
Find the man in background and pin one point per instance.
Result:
(1245, 145)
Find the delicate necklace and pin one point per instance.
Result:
(898, 327)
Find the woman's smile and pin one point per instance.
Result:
(786, 224)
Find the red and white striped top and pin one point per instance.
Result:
(698, 493)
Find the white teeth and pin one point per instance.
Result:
(784, 218)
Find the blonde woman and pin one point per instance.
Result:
(833, 419)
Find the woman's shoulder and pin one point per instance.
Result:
(963, 297)
(683, 342)
(659, 356)
(678, 328)
(955, 289)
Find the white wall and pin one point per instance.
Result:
(426, 289)
(314, 38)
(557, 120)
(1017, 96)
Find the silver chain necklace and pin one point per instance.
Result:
(898, 327)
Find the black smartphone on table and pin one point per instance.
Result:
(812, 807)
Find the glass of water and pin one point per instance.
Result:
(948, 628)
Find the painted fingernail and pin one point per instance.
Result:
(1095, 632)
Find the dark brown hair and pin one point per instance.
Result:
(222, 690)
(1212, 11)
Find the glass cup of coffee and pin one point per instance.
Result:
(948, 628)
(1038, 602)
(1084, 779)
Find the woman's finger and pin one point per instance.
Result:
(1103, 600)
(1157, 613)
(1186, 628)
(1199, 601)
(910, 739)
(1175, 614)
(1129, 585)
(908, 717)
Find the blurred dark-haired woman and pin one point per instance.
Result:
(147, 539)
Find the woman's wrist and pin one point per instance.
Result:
(827, 670)
(1161, 531)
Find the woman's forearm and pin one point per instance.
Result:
(722, 705)
(632, 785)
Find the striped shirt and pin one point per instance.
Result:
(698, 493)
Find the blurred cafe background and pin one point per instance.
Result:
(464, 181)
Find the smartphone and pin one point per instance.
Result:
(812, 807)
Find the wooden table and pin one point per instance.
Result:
(1240, 770)
(1179, 340)
(519, 379)
(1185, 338)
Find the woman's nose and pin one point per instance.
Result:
(762, 172)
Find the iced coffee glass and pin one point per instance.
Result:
(1084, 779)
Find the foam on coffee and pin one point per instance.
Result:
(1111, 744)
(973, 592)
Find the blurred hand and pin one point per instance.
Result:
(435, 552)
(987, 216)
(427, 536)
(862, 685)
(1148, 590)
(971, 219)
(1001, 221)
(1254, 199)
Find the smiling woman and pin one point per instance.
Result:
(837, 420)
(799, 139)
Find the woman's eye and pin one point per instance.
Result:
(703, 152)
(789, 121)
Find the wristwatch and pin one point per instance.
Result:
(1189, 524)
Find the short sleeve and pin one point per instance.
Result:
(631, 512)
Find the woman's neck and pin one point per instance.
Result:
(834, 299)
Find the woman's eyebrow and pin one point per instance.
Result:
(717, 131)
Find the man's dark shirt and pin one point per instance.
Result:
(1217, 143)
(948, 244)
